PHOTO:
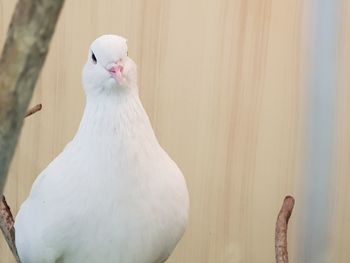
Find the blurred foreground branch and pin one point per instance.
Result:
(26, 46)
(27, 43)
(281, 248)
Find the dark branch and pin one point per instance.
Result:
(7, 227)
(281, 248)
(7, 221)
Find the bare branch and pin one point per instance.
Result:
(26, 47)
(7, 221)
(33, 110)
(7, 227)
(281, 248)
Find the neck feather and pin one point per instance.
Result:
(117, 115)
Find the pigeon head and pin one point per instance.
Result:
(108, 68)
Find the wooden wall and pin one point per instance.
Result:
(222, 83)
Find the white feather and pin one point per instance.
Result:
(113, 194)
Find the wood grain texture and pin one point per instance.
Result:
(220, 80)
(341, 213)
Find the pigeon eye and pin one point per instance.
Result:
(93, 57)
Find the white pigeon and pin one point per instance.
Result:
(113, 194)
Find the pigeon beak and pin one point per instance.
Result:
(116, 71)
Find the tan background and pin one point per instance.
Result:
(220, 80)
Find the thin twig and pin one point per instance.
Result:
(281, 248)
(33, 110)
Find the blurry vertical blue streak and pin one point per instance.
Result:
(321, 94)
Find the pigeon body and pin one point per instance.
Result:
(113, 194)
